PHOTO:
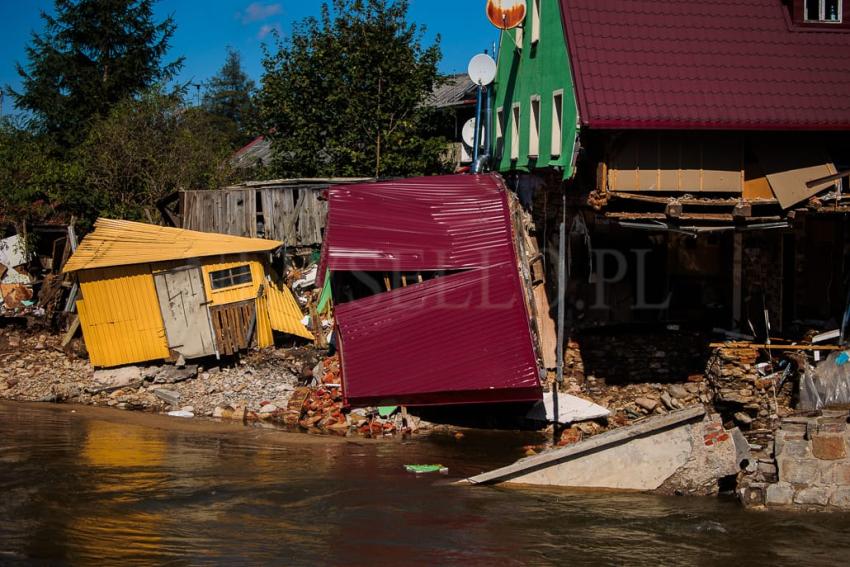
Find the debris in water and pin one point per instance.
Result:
(422, 469)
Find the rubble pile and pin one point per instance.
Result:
(753, 399)
(34, 368)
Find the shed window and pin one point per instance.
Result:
(535, 21)
(557, 121)
(230, 277)
(828, 11)
(534, 128)
(515, 131)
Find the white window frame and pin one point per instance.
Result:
(535, 21)
(500, 132)
(557, 140)
(516, 118)
(822, 13)
(534, 112)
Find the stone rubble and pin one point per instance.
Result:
(257, 388)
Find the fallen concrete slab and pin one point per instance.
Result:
(570, 409)
(680, 452)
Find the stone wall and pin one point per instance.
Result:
(813, 465)
(742, 394)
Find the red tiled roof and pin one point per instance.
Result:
(725, 64)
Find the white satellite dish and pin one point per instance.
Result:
(482, 69)
(468, 133)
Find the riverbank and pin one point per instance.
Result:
(296, 388)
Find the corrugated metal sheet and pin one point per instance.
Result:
(119, 243)
(730, 64)
(456, 90)
(120, 316)
(284, 312)
(426, 223)
(463, 338)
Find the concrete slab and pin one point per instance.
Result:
(639, 457)
(570, 409)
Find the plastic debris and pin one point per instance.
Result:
(181, 413)
(424, 469)
(386, 411)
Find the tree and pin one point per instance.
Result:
(147, 148)
(92, 55)
(229, 97)
(32, 178)
(344, 95)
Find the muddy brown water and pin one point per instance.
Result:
(88, 486)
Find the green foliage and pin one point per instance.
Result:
(32, 179)
(92, 55)
(229, 98)
(344, 94)
(148, 148)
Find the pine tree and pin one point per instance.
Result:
(91, 55)
(229, 97)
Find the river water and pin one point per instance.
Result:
(83, 486)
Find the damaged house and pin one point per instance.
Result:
(433, 285)
(153, 293)
(698, 153)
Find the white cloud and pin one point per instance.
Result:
(257, 11)
(266, 29)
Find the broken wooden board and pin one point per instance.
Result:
(545, 327)
(789, 168)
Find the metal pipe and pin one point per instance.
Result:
(561, 299)
(476, 142)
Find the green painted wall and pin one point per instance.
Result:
(542, 70)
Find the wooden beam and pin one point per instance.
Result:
(776, 347)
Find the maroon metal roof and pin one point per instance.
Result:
(462, 338)
(459, 338)
(725, 64)
(444, 222)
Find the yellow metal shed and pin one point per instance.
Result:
(152, 292)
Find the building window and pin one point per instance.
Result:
(535, 21)
(230, 277)
(824, 11)
(515, 131)
(500, 132)
(557, 121)
(534, 128)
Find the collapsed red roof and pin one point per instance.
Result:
(463, 337)
(724, 64)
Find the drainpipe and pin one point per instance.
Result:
(476, 145)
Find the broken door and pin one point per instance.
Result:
(183, 304)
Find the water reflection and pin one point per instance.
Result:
(79, 488)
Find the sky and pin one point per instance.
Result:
(206, 28)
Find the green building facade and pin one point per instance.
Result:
(534, 104)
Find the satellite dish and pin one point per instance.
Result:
(468, 132)
(506, 14)
(482, 69)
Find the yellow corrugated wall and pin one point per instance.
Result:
(120, 316)
(241, 293)
(284, 312)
